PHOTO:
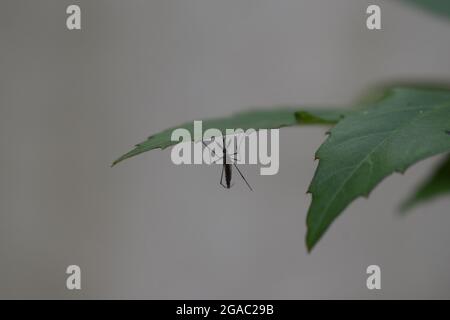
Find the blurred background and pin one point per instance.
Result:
(73, 101)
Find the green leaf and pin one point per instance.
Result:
(406, 126)
(256, 119)
(437, 185)
(441, 7)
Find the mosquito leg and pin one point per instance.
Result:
(215, 161)
(228, 144)
(221, 179)
(237, 148)
(213, 153)
(242, 176)
(235, 158)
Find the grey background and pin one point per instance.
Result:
(71, 102)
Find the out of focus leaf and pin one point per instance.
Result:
(436, 185)
(441, 7)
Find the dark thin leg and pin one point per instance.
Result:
(242, 176)
(221, 179)
(221, 174)
(236, 159)
(215, 162)
(237, 147)
(212, 152)
(228, 144)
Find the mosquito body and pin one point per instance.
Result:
(227, 166)
(227, 170)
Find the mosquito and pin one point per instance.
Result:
(227, 167)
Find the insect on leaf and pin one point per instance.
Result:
(256, 119)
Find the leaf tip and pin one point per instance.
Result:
(117, 161)
(310, 239)
(404, 208)
(309, 246)
(120, 159)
